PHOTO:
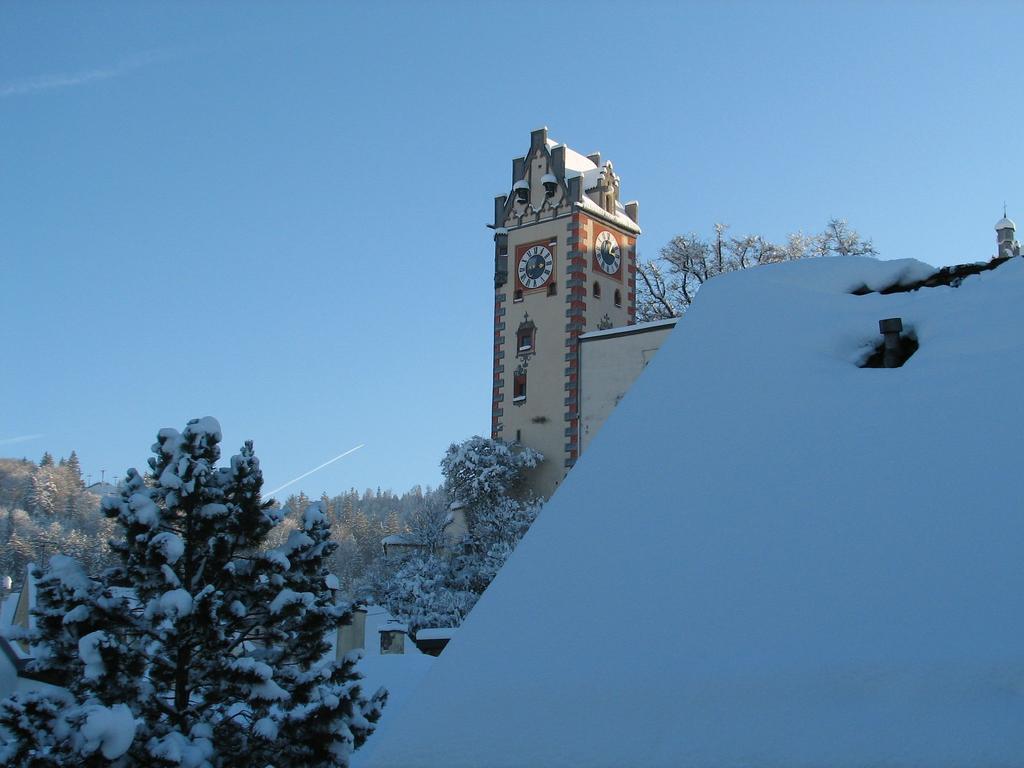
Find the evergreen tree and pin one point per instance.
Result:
(484, 477)
(47, 460)
(479, 472)
(216, 655)
(44, 494)
(73, 471)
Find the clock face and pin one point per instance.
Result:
(535, 266)
(608, 254)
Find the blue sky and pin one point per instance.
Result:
(274, 213)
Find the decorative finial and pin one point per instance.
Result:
(1004, 209)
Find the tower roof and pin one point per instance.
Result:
(1005, 223)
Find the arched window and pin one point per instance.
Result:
(618, 298)
(552, 288)
(526, 337)
(597, 290)
(519, 388)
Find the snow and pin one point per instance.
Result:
(436, 633)
(393, 626)
(89, 653)
(576, 164)
(399, 539)
(169, 545)
(109, 729)
(176, 603)
(288, 597)
(207, 428)
(266, 727)
(831, 553)
(177, 748)
(630, 328)
(619, 218)
(77, 614)
(331, 582)
(521, 184)
(145, 509)
(1005, 223)
(277, 558)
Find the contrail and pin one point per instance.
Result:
(18, 439)
(316, 469)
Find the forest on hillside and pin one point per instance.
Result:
(46, 509)
(433, 580)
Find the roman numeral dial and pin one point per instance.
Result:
(609, 257)
(535, 266)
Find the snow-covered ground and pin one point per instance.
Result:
(399, 673)
(827, 559)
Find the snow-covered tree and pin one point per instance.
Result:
(422, 592)
(431, 587)
(480, 472)
(44, 496)
(668, 285)
(494, 534)
(199, 648)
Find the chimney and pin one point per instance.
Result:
(392, 638)
(633, 211)
(352, 635)
(891, 329)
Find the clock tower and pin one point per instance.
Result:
(564, 265)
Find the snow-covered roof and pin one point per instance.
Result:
(1005, 223)
(830, 554)
(102, 489)
(436, 633)
(399, 539)
(521, 184)
(619, 217)
(651, 325)
(575, 163)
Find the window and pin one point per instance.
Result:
(618, 298)
(519, 388)
(518, 295)
(597, 290)
(552, 288)
(519, 435)
(526, 336)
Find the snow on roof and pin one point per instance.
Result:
(1005, 223)
(400, 539)
(575, 163)
(102, 489)
(832, 553)
(436, 633)
(393, 626)
(619, 218)
(651, 325)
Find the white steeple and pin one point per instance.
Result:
(1006, 244)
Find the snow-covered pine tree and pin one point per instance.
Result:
(44, 493)
(484, 477)
(479, 472)
(198, 649)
